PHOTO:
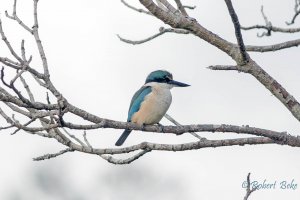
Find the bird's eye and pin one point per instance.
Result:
(168, 79)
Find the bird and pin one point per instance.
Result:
(151, 102)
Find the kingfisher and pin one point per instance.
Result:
(151, 102)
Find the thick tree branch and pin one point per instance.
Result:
(176, 147)
(280, 137)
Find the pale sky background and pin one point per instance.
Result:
(99, 73)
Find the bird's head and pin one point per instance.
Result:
(162, 76)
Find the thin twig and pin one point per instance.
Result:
(12, 86)
(31, 97)
(86, 140)
(269, 27)
(272, 28)
(189, 7)
(181, 8)
(297, 12)
(273, 47)
(248, 189)
(6, 127)
(35, 29)
(136, 9)
(238, 33)
(48, 156)
(129, 160)
(223, 67)
(15, 17)
(24, 125)
(74, 137)
(171, 119)
(4, 38)
(162, 31)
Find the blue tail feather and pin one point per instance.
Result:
(123, 137)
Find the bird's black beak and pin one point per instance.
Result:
(178, 84)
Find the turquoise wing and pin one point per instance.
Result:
(137, 100)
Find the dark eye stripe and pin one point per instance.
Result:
(164, 79)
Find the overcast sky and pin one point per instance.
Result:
(97, 72)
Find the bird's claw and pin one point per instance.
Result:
(143, 127)
(161, 127)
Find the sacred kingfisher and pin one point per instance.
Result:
(151, 102)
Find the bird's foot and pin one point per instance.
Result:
(143, 127)
(161, 127)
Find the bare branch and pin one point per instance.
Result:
(24, 66)
(297, 12)
(31, 97)
(15, 17)
(129, 160)
(177, 21)
(4, 38)
(223, 67)
(294, 18)
(272, 28)
(136, 9)
(86, 140)
(281, 137)
(176, 147)
(24, 125)
(48, 156)
(171, 119)
(17, 109)
(6, 127)
(6, 117)
(238, 33)
(248, 189)
(268, 23)
(74, 137)
(18, 102)
(17, 66)
(191, 25)
(51, 115)
(35, 30)
(269, 28)
(273, 47)
(168, 6)
(181, 8)
(189, 7)
(162, 31)
(11, 86)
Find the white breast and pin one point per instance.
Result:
(155, 104)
